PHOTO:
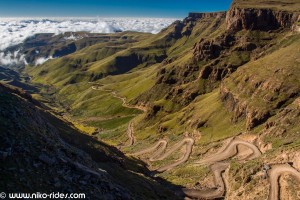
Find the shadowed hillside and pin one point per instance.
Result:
(35, 142)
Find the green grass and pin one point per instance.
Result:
(111, 123)
(265, 83)
(182, 175)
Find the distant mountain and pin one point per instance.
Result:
(39, 48)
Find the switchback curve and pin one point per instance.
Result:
(213, 193)
(231, 150)
(274, 174)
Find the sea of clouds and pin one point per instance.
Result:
(14, 31)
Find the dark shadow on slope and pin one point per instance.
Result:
(123, 169)
(24, 86)
(8, 74)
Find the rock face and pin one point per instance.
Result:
(206, 15)
(242, 110)
(206, 50)
(258, 19)
(211, 49)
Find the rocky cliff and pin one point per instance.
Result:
(259, 19)
(196, 16)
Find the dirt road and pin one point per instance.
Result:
(123, 99)
(130, 133)
(274, 174)
(130, 130)
(188, 143)
(228, 150)
(231, 150)
(160, 146)
(213, 193)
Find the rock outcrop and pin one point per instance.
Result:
(241, 109)
(259, 19)
(196, 16)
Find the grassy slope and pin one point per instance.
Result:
(77, 67)
(277, 75)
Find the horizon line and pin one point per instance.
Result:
(166, 17)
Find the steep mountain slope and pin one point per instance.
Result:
(37, 49)
(113, 56)
(216, 80)
(41, 152)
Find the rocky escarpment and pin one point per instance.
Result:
(125, 63)
(242, 110)
(259, 90)
(222, 55)
(185, 27)
(256, 100)
(259, 19)
(196, 16)
(211, 49)
(247, 34)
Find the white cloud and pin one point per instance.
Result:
(15, 30)
(73, 37)
(12, 58)
(42, 60)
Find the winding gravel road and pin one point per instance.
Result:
(130, 130)
(227, 151)
(231, 150)
(123, 99)
(130, 133)
(218, 169)
(188, 142)
(274, 174)
(161, 145)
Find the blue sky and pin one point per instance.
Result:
(108, 8)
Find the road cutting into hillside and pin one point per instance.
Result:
(218, 191)
(125, 104)
(218, 168)
(130, 129)
(161, 145)
(275, 173)
(188, 142)
(123, 99)
(231, 150)
(130, 134)
(228, 150)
